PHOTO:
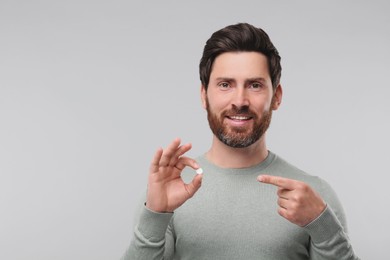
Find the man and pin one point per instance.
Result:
(249, 203)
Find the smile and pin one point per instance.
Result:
(239, 118)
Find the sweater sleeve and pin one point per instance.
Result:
(152, 237)
(328, 239)
(328, 232)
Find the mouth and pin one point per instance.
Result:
(239, 118)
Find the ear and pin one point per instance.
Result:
(203, 95)
(277, 99)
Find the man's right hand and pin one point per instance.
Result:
(166, 189)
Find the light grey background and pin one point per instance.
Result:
(89, 90)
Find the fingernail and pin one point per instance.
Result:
(199, 171)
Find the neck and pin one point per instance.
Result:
(228, 157)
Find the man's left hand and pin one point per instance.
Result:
(297, 201)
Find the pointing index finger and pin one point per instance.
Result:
(277, 181)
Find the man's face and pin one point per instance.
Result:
(239, 99)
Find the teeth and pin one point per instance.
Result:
(239, 117)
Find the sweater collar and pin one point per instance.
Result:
(206, 164)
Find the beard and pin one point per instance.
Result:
(238, 136)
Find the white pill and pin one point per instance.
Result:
(199, 171)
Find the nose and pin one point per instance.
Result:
(241, 98)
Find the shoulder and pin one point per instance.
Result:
(285, 169)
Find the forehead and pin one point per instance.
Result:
(240, 65)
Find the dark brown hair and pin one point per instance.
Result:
(236, 38)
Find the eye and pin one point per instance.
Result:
(224, 85)
(255, 85)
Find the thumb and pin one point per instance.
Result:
(194, 185)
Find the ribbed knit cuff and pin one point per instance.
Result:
(153, 225)
(324, 226)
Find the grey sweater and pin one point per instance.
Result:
(233, 216)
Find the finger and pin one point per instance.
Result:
(277, 181)
(283, 193)
(194, 185)
(179, 152)
(186, 161)
(156, 160)
(283, 212)
(169, 152)
(283, 203)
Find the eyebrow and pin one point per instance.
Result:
(247, 80)
(257, 79)
(224, 79)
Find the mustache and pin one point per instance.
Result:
(242, 111)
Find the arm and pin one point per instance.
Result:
(153, 238)
(303, 206)
(328, 238)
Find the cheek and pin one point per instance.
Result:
(263, 104)
(216, 109)
(218, 103)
